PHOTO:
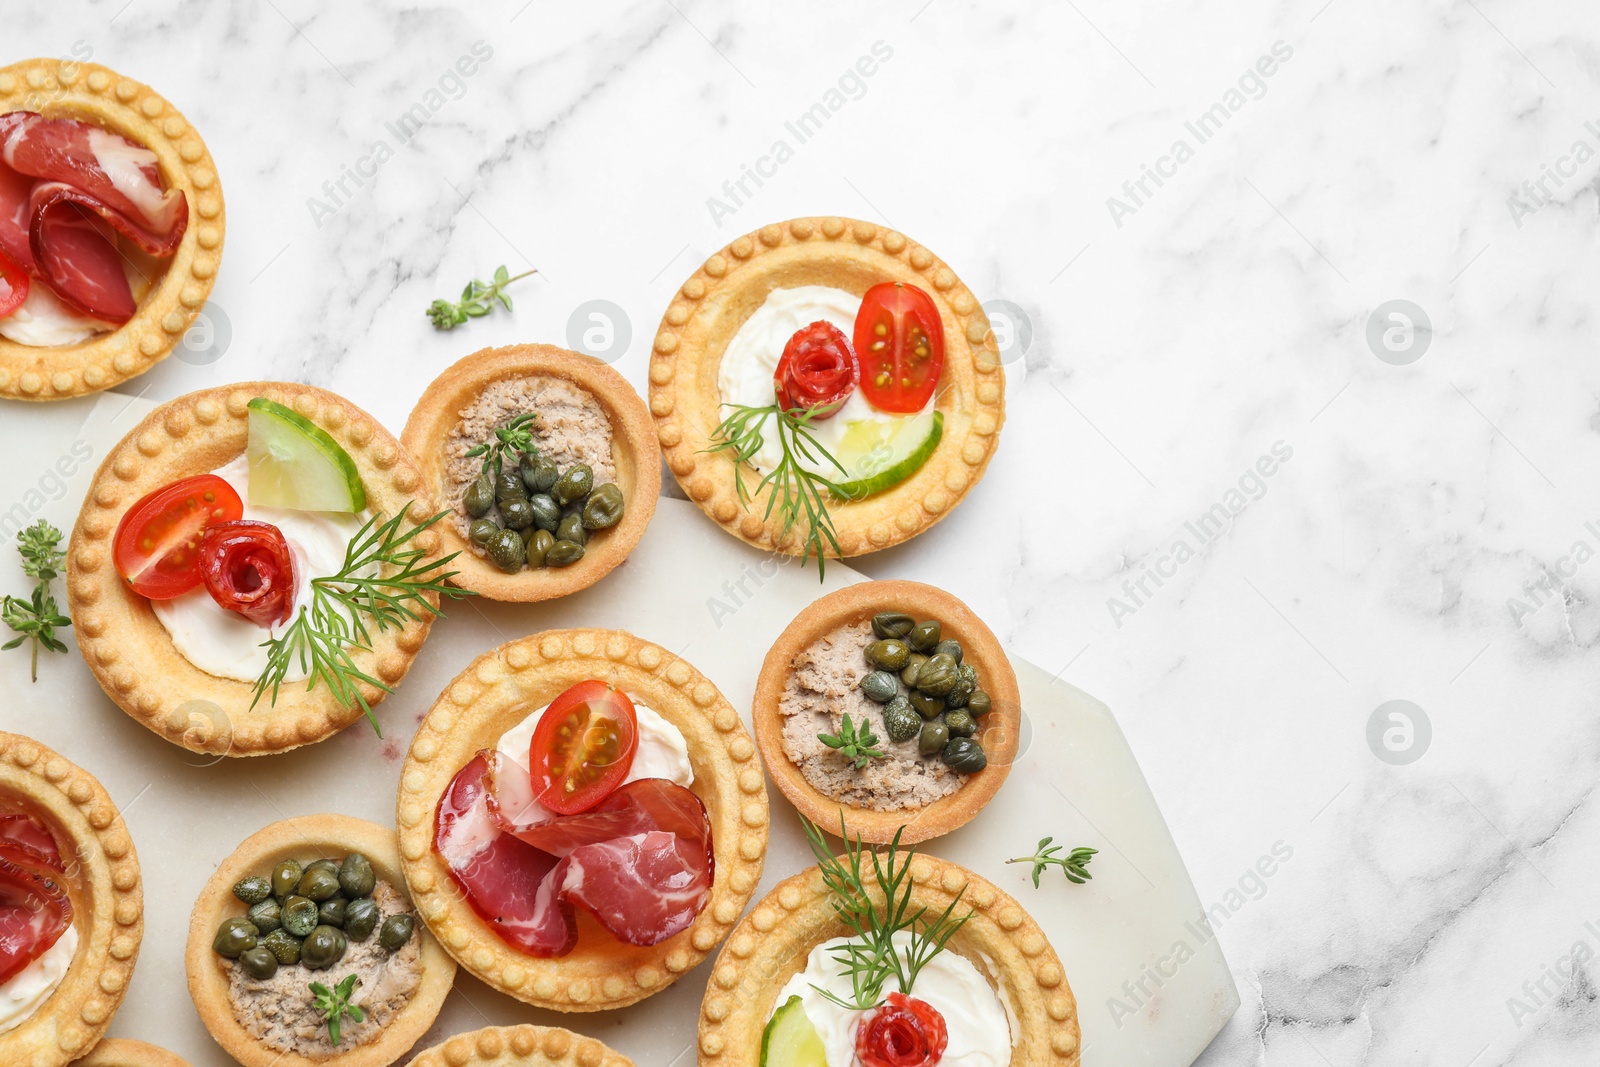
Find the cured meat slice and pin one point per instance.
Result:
(511, 799)
(16, 192)
(643, 888)
(75, 257)
(156, 245)
(645, 804)
(29, 836)
(34, 913)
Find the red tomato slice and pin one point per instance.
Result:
(157, 549)
(906, 1032)
(583, 747)
(13, 285)
(248, 568)
(900, 343)
(817, 370)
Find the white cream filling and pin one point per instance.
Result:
(43, 321)
(977, 1024)
(661, 751)
(30, 987)
(225, 643)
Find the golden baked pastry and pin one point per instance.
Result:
(59, 88)
(1001, 940)
(127, 647)
(494, 694)
(846, 254)
(309, 837)
(999, 730)
(634, 453)
(521, 1046)
(123, 1052)
(107, 897)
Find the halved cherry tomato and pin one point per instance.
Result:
(906, 1032)
(248, 568)
(817, 370)
(900, 343)
(13, 285)
(583, 747)
(157, 549)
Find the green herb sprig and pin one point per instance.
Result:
(856, 745)
(477, 300)
(1075, 864)
(334, 1004)
(515, 436)
(385, 582)
(35, 619)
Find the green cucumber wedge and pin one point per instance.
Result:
(878, 455)
(790, 1040)
(295, 464)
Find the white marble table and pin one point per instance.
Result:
(1426, 541)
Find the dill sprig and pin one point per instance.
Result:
(515, 436)
(34, 619)
(870, 958)
(385, 581)
(1075, 864)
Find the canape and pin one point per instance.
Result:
(521, 1046)
(125, 1052)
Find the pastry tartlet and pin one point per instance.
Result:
(848, 254)
(127, 647)
(491, 696)
(124, 1052)
(94, 94)
(1000, 939)
(998, 731)
(306, 839)
(434, 435)
(103, 883)
(521, 1046)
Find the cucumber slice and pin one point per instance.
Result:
(878, 454)
(295, 464)
(790, 1040)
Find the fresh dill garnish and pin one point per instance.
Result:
(1075, 864)
(515, 436)
(35, 618)
(858, 745)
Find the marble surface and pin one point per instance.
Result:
(1428, 540)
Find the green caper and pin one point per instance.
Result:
(234, 936)
(319, 883)
(507, 551)
(323, 947)
(913, 666)
(926, 706)
(283, 945)
(960, 723)
(259, 962)
(396, 932)
(965, 756)
(508, 486)
(540, 475)
(966, 682)
(265, 915)
(323, 864)
(890, 654)
(479, 497)
(900, 720)
(539, 547)
(355, 875)
(360, 918)
(299, 915)
(892, 624)
(285, 876)
(938, 675)
(563, 553)
(252, 890)
(482, 531)
(574, 484)
(934, 736)
(332, 912)
(950, 647)
(924, 635)
(546, 512)
(518, 514)
(978, 704)
(528, 466)
(571, 529)
(604, 507)
(880, 687)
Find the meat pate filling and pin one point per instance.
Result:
(825, 685)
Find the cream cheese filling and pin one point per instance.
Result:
(30, 987)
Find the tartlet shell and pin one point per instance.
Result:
(633, 448)
(67, 89)
(521, 1046)
(124, 643)
(494, 693)
(125, 1052)
(107, 894)
(1000, 939)
(1000, 730)
(316, 836)
(849, 254)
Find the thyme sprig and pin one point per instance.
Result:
(334, 1004)
(385, 582)
(858, 745)
(34, 619)
(515, 436)
(477, 300)
(1075, 864)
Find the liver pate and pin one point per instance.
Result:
(823, 686)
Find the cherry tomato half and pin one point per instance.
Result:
(157, 550)
(583, 747)
(900, 343)
(906, 1032)
(13, 285)
(248, 569)
(817, 370)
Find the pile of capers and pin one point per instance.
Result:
(942, 702)
(545, 514)
(307, 916)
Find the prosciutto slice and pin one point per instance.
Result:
(74, 256)
(29, 836)
(16, 191)
(643, 888)
(34, 912)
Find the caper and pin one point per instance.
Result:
(508, 486)
(285, 876)
(950, 647)
(604, 507)
(283, 945)
(479, 497)
(332, 912)
(960, 723)
(965, 756)
(966, 682)
(978, 704)
(938, 675)
(360, 918)
(507, 551)
(323, 947)
(926, 706)
(563, 553)
(252, 890)
(234, 936)
(323, 864)
(546, 512)
(518, 514)
(396, 932)
(319, 883)
(299, 915)
(574, 484)
(259, 962)
(571, 529)
(539, 547)
(482, 531)
(265, 915)
(924, 635)
(880, 687)
(900, 720)
(892, 624)
(355, 875)
(890, 654)
(540, 475)
(913, 666)
(934, 736)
